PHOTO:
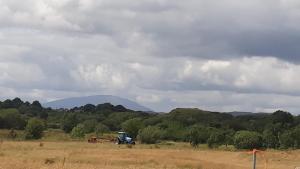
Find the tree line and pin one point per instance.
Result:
(278, 130)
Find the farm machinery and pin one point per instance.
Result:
(124, 138)
(101, 140)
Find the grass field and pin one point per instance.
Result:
(82, 155)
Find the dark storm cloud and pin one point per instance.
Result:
(204, 29)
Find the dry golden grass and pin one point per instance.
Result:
(81, 155)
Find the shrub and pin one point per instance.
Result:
(133, 126)
(100, 129)
(34, 129)
(149, 135)
(247, 140)
(78, 131)
(198, 135)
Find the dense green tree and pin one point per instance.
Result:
(133, 126)
(270, 139)
(154, 120)
(7, 104)
(172, 130)
(115, 119)
(216, 139)
(1, 122)
(43, 115)
(101, 129)
(12, 119)
(120, 108)
(69, 121)
(24, 109)
(271, 135)
(229, 137)
(17, 102)
(198, 135)
(149, 135)
(36, 104)
(34, 129)
(283, 118)
(296, 136)
(248, 140)
(89, 125)
(89, 108)
(106, 107)
(297, 120)
(286, 140)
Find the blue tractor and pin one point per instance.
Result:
(124, 138)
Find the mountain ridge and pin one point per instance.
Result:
(72, 102)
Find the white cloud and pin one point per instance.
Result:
(148, 98)
(249, 74)
(103, 76)
(18, 74)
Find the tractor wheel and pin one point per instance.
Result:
(118, 141)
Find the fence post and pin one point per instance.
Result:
(254, 159)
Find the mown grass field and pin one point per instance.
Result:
(82, 155)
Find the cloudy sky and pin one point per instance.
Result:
(222, 55)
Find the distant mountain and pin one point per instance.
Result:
(237, 113)
(69, 103)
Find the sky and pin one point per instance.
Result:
(218, 55)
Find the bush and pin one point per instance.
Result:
(34, 129)
(149, 135)
(100, 129)
(198, 135)
(247, 140)
(78, 131)
(133, 126)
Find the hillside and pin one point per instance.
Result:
(69, 103)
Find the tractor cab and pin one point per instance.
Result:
(124, 138)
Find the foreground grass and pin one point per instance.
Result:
(82, 155)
